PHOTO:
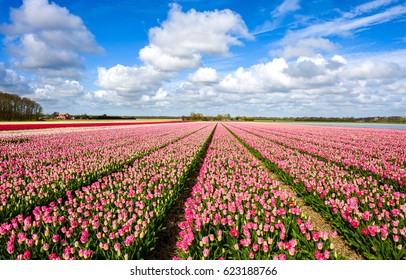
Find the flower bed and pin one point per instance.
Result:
(24, 126)
(117, 217)
(39, 168)
(368, 151)
(371, 216)
(236, 211)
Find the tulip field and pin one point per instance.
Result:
(237, 212)
(366, 208)
(106, 193)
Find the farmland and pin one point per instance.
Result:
(242, 190)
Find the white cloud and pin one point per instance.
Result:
(37, 54)
(204, 75)
(159, 99)
(178, 44)
(278, 14)
(154, 56)
(344, 26)
(396, 87)
(372, 70)
(287, 6)
(258, 78)
(313, 86)
(101, 97)
(397, 56)
(131, 80)
(312, 40)
(11, 81)
(47, 38)
(369, 6)
(54, 88)
(307, 47)
(160, 95)
(183, 38)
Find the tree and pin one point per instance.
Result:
(196, 116)
(15, 108)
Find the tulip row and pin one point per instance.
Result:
(24, 126)
(117, 217)
(236, 211)
(39, 168)
(378, 152)
(369, 215)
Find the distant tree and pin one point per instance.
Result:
(196, 116)
(15, 108)
(83, 117)
(247, 119)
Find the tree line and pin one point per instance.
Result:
(16, 108)
(219, 117)
(226, 117)
(379, 119)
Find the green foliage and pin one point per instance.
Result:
(15, 108)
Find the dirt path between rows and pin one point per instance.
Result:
(165, 247)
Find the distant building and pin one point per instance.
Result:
(65, 117)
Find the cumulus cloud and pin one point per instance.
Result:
(183, 38)
(53, 88)
(98, 98)
(312, 75)
(310, 71)
(204, 75)
(307, 47)
(156, 57)
(372, 70)
(11, 81)
(159, 99)
(179, 43)
(258, 78)
(48, 38)
(37, 54)
(313, 86)
(131, 79)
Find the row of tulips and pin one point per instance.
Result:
(236, 211)
(369, 215)
(379, 152)
(117, 217)
(39, 168)
(31, 126)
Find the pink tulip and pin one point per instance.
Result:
(55, 238)
(206, 252)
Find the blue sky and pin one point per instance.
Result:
(259, 58)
